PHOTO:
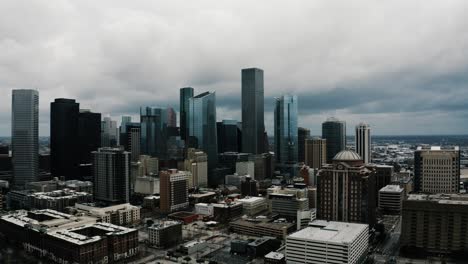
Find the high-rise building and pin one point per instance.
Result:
(154, 131)
(25, 136)
(302, 135)
(64, 155)
(89, 134)
(197, 164)
(202, 126)
(185, 94)
(315, 152)
(345, 190)
(286, 141)
(437, 170)
(173, 190)
(123, 129)
(363, 142)
(111, 168)
(253, 126)
(264, 166)
(227, 136)
(130, 139)
(334, 131)
(109, 132)
(171, 117)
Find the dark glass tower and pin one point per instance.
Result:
(228, 136)
(89, 135)
(286, 129)
(253, 126)
(154, 132)
(302, 134)
(185, 94)
(64, 157)
(334, 131)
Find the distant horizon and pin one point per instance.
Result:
(408, 135)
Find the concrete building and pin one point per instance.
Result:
(315, 152)
(25, 136)
(345, 190)
(264, 165)
(328, 242)
(287, 205)
(253, 205)
(204, 209)
(435, 224)
(174, 190)
(121, 214)
(275, 258)
(363, 142)
(253, 125)
(57, 200)
(262, 227)
(56, 184)
(249, 187)
(150, 165)
(227, 211)
(192, 247)
(437, 170)
(165, 233)
(111, 170)
(64, 238)
(147, 185)
(334, 131)
(391, 199)
(197, 164)
(246, 168)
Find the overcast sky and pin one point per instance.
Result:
(401, 66)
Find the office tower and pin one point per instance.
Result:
(253, 126)
(111, 168)
(286, 149)
(130, 140)
(246, 168)
(264, 166)
(345, 190)
(302, 135)
(334, 131)
(89, 135)
(249, 187)
(287, 204)
(315, 152)
(363, 142)
(227, 132)
(202, 126)
(435, 224)
(391, 199)
(437, 170)
(64, 156)
(109, 132)
(197, 164)
(171, 117)
(153, 131)
(123, 129)
(185, 94)
(173, 190)
(328, 242)
(25, 136)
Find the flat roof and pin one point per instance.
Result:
(391, 188)
(275, 255)
(334, 232)
(460, 199)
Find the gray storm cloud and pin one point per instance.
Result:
(399, 65)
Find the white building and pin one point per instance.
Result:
(391, 198)
(253, 205)
(246, 168)
(204, 209)
(122, 214)
(328, 242)
(147, 185)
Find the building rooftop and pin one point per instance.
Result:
(455, 199)
(274, 255)
(330, 232)
(392, 188)
(164, 224)
(251, 199)
(347, 155)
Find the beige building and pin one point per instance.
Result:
(197, 164)
(122, 214)
(315, 152)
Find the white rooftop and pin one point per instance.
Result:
(391, 188)
(330, 232)
(252, 199)
(274, 255)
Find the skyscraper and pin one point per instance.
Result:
(131, 140)
(253, 126)
(123, 129)
(89, 135)
(202, 125)
(154, 131)
(286, 149)
(171, 117)
(227, 136)
(173, 190)
(111, 168)
(25, 136)
(315, 152)
(437, 170)
(64, 152)
(334, 131)
(363, 142)
(109, 132)
(185, 94)
(302, 135)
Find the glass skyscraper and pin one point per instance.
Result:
(228, 136)
(253, 126)
(153, 132)
(25, 136)
(202, 125)
(334, 131)
(286, 138)
(185, 94)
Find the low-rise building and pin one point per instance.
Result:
(391, 199)
(204, 209)
(328, 242)
(165, 233)
(253, 205)
(275, 258)
(148, 185)
(192, 247)
(226, 212)
(55, 200)
(287, 205)
(262, 227)
(122, 214)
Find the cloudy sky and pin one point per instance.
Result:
(401, 66)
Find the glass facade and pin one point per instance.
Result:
(153, 132)
(185, 94)
(334, 131)
(253, 126)
(286, 138)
